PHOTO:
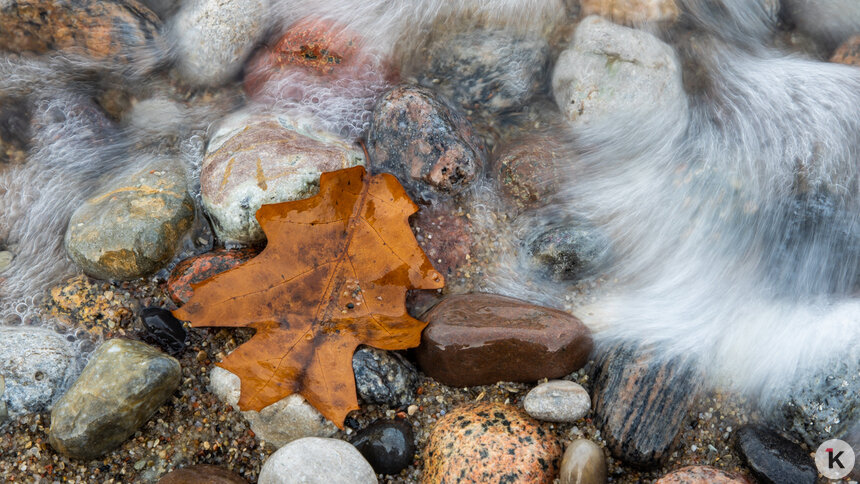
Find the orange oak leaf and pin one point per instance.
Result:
(334, 275)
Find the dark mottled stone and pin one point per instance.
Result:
(480, 339)
(389, 445)
(571, 252)
(383, 377)
(14, 129)
(111, 32)
(202, 474)
(773, 459)
(164, 330)
(487, 70)
(195, 270)
(423, 140)
(526, 168)
(702, 475)
(848, 52)
(490, 442)
(640, 403)
(445, 237)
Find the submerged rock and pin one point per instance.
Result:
(583, 463)
(481, 339)
(424, 141)
(526, 168)
(490, 442)
(256, 160)
(121, 387)
(487, 70)
(314, 459)
(632, 12)
(38, 365)
(383, 377)
(444, 236)
(570, 252)
(106, 32)
(133, 229)
(280, 423)
(848, 52)
(640, 403)
(387, 445)
(774, 459)
(214, 37)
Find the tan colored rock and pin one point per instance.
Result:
(632, 12)
(583, 463)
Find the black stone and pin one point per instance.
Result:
(383, 378)
(388, 445)
(641, 403)
(164, 330)
(570, 252)
(773, 459)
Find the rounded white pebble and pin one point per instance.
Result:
(557, 401)
(315, 460)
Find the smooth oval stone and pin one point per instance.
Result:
(163, 328)
(212, 38)
(641, 403)
(123, 384)
(202, 474)
(133, 229)
(481, 339)
(110, 32)
(383, 377)
(570, 252)
(490, 442)
(583, 463)
(702, 475)
(197, 269)
(38, 365)
(487, 70)
(388, 446)
(282, 422)
(429, 145)
(557, 401)
(314, 459)
(773, 459)
(256, 160)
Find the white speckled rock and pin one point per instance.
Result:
(557, 401)
(316, 460)
(38, 365)
(251, 161)
(583, 463)
(213, 38)
(615, 81)
(280, 423)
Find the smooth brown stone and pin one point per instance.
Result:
(526, 170)
(848, 52)
(702, 475)
(481, 339)
(116, 32)
(490, 442)
(640, 404)
(202, 474)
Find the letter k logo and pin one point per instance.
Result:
(833, 460)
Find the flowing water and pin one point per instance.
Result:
(732, 213)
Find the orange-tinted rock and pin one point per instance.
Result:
(490, 442)
(526, 170)
(121, 32)
(632, 12)
(480, 339)
(702, 475)
(444, 236)
(202, 474)
(197, 269)
(848, 52)
(640, 403)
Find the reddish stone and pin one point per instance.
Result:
(320, 47)
(202, 474)
(444, 237)
(526, 169)
(848, 52)
(195, 270)
(490, 442)
(702, 475)
(480, 339)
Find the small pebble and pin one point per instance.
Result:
(558, 401)
(389, 446)
(583, 463)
